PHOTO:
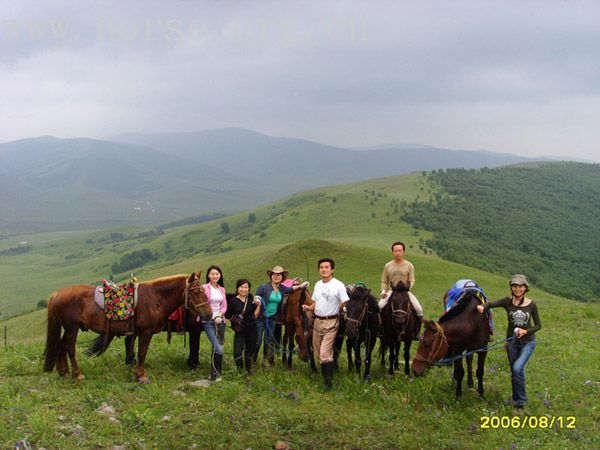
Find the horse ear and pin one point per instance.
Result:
(198, 275)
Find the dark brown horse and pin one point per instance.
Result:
(462, 328)
(361, 316)
(298, 326)
(74, 308)
(399, 325)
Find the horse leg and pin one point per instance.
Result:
(392, 349)
(143, 343)
(193, 360)
(69, 341)
(349, 355)
(407, 344)
(129, 350)
(480, 371)
(357, 355)
(459, 373)
(397, 355)
(368, 353)
(470, 370)
(62, 366)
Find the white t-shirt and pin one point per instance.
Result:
(328, 297)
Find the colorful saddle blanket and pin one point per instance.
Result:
(458, 291)
(117, 300)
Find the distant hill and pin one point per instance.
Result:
(543, 221)
(64, 184)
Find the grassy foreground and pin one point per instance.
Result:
(109, 409)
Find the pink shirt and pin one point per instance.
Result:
(218, 305)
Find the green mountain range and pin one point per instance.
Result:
(51, 184)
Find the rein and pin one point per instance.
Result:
(446, 361)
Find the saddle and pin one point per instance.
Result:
(117, 300)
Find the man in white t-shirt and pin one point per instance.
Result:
(328, 296)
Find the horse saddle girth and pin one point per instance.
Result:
(118, 301)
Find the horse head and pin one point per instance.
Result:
(399, 303)
(302, 323)
(356, 308)
(433, 347)
(195, 298)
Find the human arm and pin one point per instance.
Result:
(531, 330)
(495, 304)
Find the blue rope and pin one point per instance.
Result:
(445, 361)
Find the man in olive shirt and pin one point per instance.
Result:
(395, 271)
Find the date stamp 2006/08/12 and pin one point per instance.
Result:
(500, 422)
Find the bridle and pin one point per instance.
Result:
(439, 340)
(399, 315)
(363, 313)
(189, 300)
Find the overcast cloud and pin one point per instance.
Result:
(506, 76)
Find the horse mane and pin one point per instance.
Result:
(360, 292)
(459, 308)
(166, 280)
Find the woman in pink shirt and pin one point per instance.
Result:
(215, 327)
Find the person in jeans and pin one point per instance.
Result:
(242, 312)
(329, 294)
(215, 327)
(521, 312)
(271, 295)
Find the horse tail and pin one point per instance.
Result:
(53, 345)
(98, 346)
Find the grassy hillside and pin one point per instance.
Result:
(355, 224)
(254, 412)
(542, 220)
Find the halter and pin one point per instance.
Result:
(399, 314)
(363, 313)
(189, 300)
(440, 339)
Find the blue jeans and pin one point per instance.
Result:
(519, 352)
(210, 328)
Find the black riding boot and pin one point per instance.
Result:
(327, 369)
(419, 321)
(217, 367)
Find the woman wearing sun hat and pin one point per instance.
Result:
(520, 310)
(271, 295)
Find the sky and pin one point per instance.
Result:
(519, 77)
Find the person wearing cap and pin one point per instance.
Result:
(521, 311)
(329, 294)
(271, 295)
(400, 270)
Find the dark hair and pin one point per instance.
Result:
(218, 269)
(241, 281)
(399, 243)
(329, 260)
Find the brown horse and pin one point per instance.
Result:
(400, 324)
(74, 308)
(298, 324)
(462, 328)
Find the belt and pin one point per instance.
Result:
(326, 317)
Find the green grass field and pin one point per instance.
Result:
(355, 224)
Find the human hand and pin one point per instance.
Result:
(520, 332)
(304, 307)
(304, 285)
(218, 320)
(383, 294)
(480, 308)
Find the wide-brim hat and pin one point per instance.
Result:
(278, 269)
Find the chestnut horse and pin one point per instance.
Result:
(298, 324)
(74, 308)
(399, 325)
(361, 315)
(462, 328)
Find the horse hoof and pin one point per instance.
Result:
(80, 377)
(143, 380)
